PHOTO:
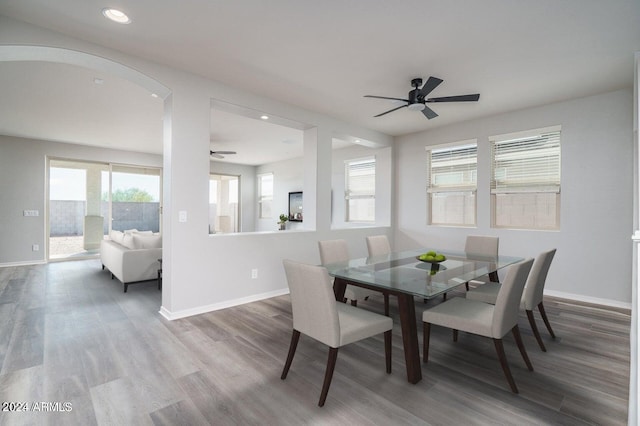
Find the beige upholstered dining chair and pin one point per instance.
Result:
(531, 297)
(336, 251)
(317, 314)
(484, 319)
(378, 245)
(484, 246)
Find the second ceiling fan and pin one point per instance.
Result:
(417, 98)
(220, 154)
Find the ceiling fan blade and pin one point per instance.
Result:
(429, 113)
(384, 97)
(461, 98)
(216, 155)
(428, 87)
(223, 152)
(391, 110)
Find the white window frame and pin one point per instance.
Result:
(355, 194)
(265, 200)
(465, 187)
(526, 175)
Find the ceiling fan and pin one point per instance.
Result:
(221, 154)
(417, 98)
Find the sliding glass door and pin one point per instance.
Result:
(135, 198)
(87, 200)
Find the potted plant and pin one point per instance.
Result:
(283, 220)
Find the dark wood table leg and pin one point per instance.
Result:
(339, 286)
(410, 337)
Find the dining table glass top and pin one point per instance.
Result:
(402, 272)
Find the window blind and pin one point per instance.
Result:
(528, 163)
(361, 178)
(453, 168)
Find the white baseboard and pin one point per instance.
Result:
(32, 262)
(223, 305)
(588, 299)
(254, 298)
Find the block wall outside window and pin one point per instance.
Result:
(453, 208)
(527, 211)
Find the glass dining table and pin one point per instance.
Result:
(403, 275)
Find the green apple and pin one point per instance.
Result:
(440, 257)
(432, 253)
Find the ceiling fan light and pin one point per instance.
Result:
(416, 107)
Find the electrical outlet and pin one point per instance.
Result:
(31, 213)
(35, 247)
(254, 274)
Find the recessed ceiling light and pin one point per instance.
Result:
(264, 117)
(154, 95)
(98, 80)
(116, 15)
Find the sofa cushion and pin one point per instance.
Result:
(116, 236)
(128, 241)
(146, 241)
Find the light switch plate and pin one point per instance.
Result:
(182, 216)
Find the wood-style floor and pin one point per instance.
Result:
(69, 334)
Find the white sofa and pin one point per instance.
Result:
(132, 256)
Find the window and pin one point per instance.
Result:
(525, 179)
(224, 193)
(265, 195)
(360, 190)
(452, 184)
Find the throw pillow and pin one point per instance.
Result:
(147, 241)
(128, 241)
(117, 236)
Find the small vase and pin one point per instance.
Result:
(282, 225)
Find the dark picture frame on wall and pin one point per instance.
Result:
(295, 206)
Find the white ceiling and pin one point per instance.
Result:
(322, 56)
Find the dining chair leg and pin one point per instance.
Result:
(328, 375)
(467, 285)
(543, 314)
(534, 328)
(354, 303)
(292, 350)
(426, 334)
(386, 304)
(503, 362)
(387, 350)
(455, 334)
(523, 351)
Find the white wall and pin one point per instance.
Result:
(202, 272)
(23, 187)
(593, 261)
